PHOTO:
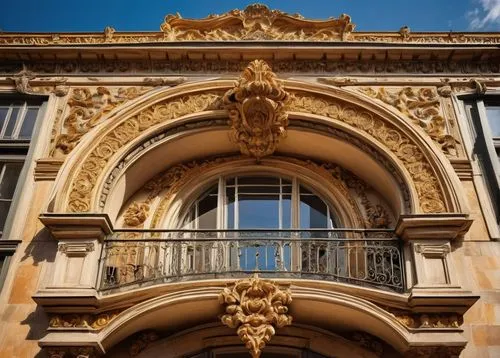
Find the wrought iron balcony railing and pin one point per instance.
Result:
(362, 257)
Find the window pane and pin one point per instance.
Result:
(3, 115)
(4, 210)
(28, 123)
(258, 181)
(12, 122)
(258, 211)
(9, 179)
(207, 213)
(493, 115)
(286, 212)
(313, 212)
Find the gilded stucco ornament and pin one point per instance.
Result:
(255, 307)
(87, 107)
(256, 110)
(86, 179)
(256, 22)
(26, 82)
(423, 108)
(421, 172)
(82, 320)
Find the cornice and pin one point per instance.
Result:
(255, 23)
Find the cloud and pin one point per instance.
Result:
(486, 16)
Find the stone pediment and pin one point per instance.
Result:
(256, 22)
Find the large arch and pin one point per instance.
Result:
(316, 111)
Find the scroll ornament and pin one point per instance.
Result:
(255, 307)
(256, 110)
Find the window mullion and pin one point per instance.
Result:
(19, 121)
(295, 204)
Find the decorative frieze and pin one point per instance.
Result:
(430, 320)
(255, 23)
(256, 108)
(256, 308)
(82, 320)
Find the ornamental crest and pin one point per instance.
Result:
(255, 307)
(257, 22)
(256, 110)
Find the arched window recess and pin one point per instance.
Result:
(275, 225)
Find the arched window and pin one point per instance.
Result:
(259, 202)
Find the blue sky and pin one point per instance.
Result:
(147, 15)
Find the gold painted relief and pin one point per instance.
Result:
(256, 308)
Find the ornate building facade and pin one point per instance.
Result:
(250, 184)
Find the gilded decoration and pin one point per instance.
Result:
(256, 110)
(430, 320)
(256, 308)
(425, 181)
(25, 83)
(423, 108)
(256, 22)
(86, 179)
(87, 108)
(82, 320)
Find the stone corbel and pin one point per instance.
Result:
(76, 265)
(433, 282)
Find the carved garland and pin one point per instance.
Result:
(255, 308)
(423, 108)
(425, 181)
(79, 197)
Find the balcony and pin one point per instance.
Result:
(132, 259)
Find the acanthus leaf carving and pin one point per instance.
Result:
(256, 110)
(424, 179)
(256, 22)
(255, 307)
(85, 181)
(87, 107)
(422, 107)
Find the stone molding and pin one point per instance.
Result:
(425, 180)
(256, 22)
(47, 168)
(433, 226)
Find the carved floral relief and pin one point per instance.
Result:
(424, 179)
(423, 108)
(84, 183)
(256, 110)
(256, 308)
(87, 107)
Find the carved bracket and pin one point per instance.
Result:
(256, 109)
(255, 307)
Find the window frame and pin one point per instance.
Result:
(482, 152)
(222, 204)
